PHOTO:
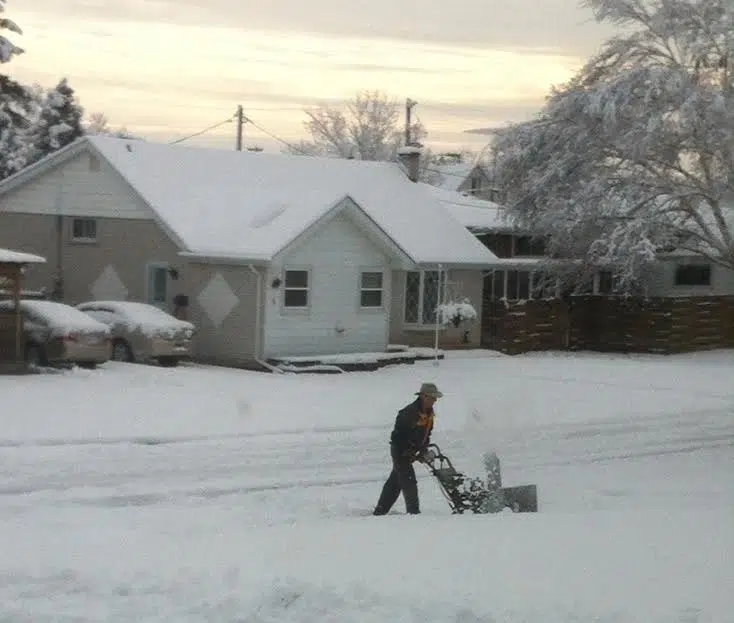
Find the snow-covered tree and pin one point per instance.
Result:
(370, 128)
(7, 48)
(98, 124)
(59, 120)
(16, 103)
(636, 153)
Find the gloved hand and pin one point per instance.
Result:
(427, 456)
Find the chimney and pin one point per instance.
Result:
(410, 157)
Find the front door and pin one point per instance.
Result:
(157, 286)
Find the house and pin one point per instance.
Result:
(269, 255)
(465, 177)
(690, 298)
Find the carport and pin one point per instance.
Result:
(12, 271)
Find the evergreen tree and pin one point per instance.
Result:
(16, 104)
(59, 121)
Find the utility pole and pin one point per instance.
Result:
(240, 124)
(409, 103)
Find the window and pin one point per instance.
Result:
(516, 285)
(370, 289)
(296, 289)
(529, 246)
(84, 229)
(693, 275)
(605, 282)
(423, 291)
(157, 286)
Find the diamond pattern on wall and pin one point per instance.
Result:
(109, 286)
(217, 299)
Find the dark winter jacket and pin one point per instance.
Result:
(412, 431)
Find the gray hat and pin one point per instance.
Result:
(429, 389)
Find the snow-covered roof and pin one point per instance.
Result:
(62, 319)
(453, 175)
(8, 256)
(476, 214)
(252, 205)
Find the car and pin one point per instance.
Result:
(55, 334)
(141, 332)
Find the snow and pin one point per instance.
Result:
(453, 175)
(257, 203)
(148, 319)
(456, 311)
(476, 214)
(62, 319)
(16, 257)
(198, 493)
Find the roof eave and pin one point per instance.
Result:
(231, 259)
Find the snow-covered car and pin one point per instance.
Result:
(55, 333)
(142, 332)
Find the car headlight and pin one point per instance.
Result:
(189, 334)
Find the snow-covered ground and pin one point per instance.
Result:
(136, 493)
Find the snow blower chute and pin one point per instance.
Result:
(472, 494)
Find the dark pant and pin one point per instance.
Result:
(401, 478)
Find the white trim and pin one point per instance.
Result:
(372, 308)
(258, 346)
(367, 226)
(442, 279)
(284, 309)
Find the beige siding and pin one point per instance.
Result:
(125, 248)
(234, 341)
(661, 280)
(335, 254)
(83, 186)
(461, 284)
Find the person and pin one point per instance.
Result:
(408, 442)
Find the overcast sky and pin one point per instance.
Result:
(165, 69)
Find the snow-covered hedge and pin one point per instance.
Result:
(456, 312)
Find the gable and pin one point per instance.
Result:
(348, 210)
(81, 185)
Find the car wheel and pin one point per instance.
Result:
(168, 362)
(34, 355)
(121, 351)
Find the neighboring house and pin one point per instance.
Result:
(519, 279)
(465, 177)
(269, 255)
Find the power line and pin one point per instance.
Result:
(275, 137)
(200, 132)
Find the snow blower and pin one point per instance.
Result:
(472, 494)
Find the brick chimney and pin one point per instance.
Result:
(410, 156)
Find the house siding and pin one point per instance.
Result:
(660, 280)
(460, 284)
(334, 254)
(84, 186)
(115, 265)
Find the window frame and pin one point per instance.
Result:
(308, 289)
(705, 268)
(361, 289)
(83, 221)
(442, 282)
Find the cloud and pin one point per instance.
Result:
(558, 25)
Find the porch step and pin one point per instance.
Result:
(353, 362)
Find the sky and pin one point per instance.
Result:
(167, 69)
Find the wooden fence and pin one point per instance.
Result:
(610, 324)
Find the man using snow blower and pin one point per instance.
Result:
(408, 443)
